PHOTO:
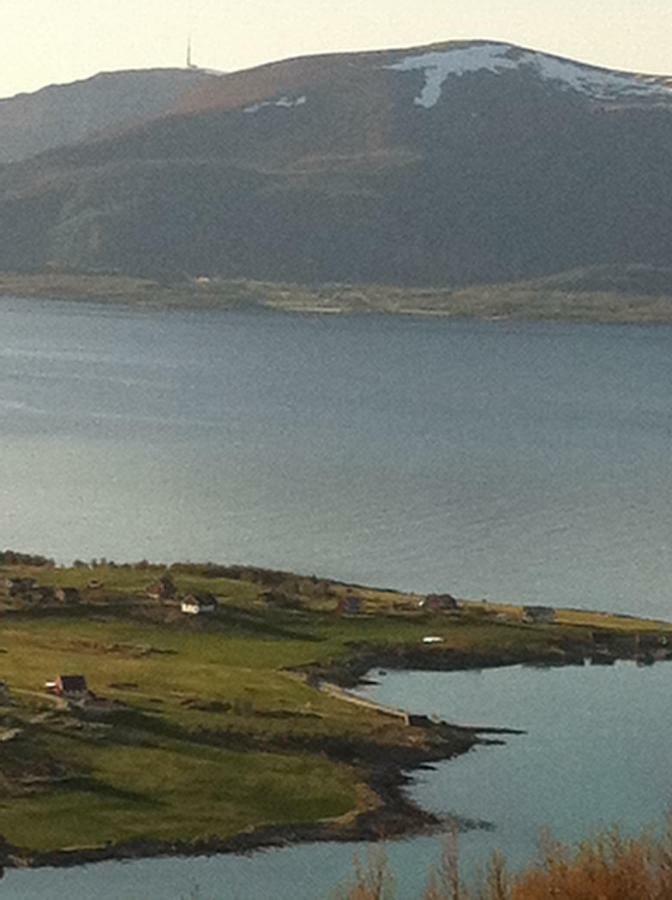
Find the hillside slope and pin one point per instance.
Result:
(457, 163)
(64, 114)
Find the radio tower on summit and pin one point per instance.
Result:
(190, 63)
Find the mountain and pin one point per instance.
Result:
(64, 114)
(456, 163)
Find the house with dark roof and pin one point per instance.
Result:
(71, 687)
(17, 587)
(438, 603)
(350, 606)
(538, 615)
(67, 595)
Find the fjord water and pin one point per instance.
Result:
(596, 752)
(525, 462)
(514, 461)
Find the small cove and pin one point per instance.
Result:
(595, 753)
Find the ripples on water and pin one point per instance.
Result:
(525, 462)
(513, 461)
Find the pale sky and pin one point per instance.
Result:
(55, 41)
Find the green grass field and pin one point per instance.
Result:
(214, 733)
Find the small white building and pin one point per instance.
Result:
(198, 604)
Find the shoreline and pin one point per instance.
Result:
(559, 299)
(309, 649)
(393, 815)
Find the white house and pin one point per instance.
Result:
(198, 604)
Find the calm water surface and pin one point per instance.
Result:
(596, 752)
(525, 462)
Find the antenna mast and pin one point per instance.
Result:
(190, 26)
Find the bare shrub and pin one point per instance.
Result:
(372, 880)
(609, 866)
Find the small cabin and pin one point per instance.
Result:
(439, 603)
(17, 587)
(71, 687)
(419, 721)
(67, 595)
(350, 606)
(198, 604)
(539, 615)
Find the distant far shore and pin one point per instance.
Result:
(625, 295)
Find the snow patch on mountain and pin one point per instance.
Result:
(283, 103)
(601, 84)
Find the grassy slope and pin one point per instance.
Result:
(609, 294)
(155, 771)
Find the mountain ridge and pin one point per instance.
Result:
(458, 162)
(61, 114)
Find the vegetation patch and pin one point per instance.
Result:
(222, 730)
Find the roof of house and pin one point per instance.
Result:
(350, 603)
(445, 600)
(539, 613)
(20, 582)
(72, 683)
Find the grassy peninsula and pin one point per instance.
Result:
(610, 294)
(225, 731)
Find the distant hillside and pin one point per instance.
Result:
(459, 163)
(65, 114)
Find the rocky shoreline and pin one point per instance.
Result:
(609, 649)
(392, 814)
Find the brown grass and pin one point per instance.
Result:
(607, 867)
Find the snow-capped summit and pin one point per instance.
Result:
(459, 60)
(445, 164)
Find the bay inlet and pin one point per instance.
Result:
(594, 754)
